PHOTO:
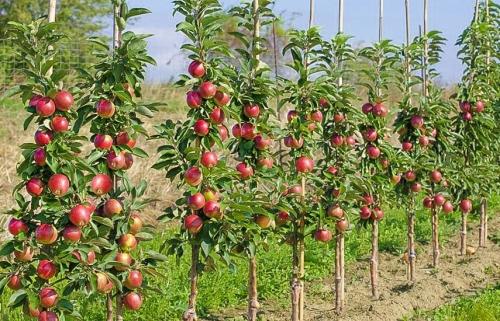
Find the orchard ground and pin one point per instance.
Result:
(222, 293)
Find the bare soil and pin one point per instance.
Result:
(456, 276)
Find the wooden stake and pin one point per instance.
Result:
(381, 20)
(411, 240)
(52, 18)
(435, 237)
(463, 235)
(117, 36)
(190, 313)
(276, 74)
(374, 261)
(295, 284)
(302, 255)
(426, 53)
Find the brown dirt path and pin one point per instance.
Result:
(456, 276)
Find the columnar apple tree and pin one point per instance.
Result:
(340, 131)
(303, 138)
(376, 152)
(50, 254)
(190, 146)
(475, 123)
(110, 103)
(251, 195)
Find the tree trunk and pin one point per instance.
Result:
(482, 224)
(463, 234)
(295, 284)
(109, 308)
(435, 237)
(412, 256)
(339, 273)
(119, 308)
(374, 261)
(301, 255)
(253, 300)
(190, 314)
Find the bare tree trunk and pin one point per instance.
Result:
(109, 308)
(374, 261)
(482, 224)
(435, 237)
(295, 284)
(253, 300)
(52, 18)
(119, 308)
(117, 36)
(339, 273)
(301, 255)
(485, 231)
(190, 314)
(412, 256)
(463, 234)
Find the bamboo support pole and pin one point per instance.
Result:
(52, 18)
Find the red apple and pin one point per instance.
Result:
(236, 131)
(207, 90)
(40, 157)
(193, 99)
(465, 205)
(395, 179)
(63, 100)
(342, 225)
(72, 234)
(17, 227)
(380, 110)
(296, 189)
(335, 211)
(385, 163)
(370, 134)
(247, 131)
(251, 110)
(245, 171)
(372, 151)
(304, 164)
(212, 209)
(377, 214)
(90, 257)
(34, 186)
(46, 234)
(323, 102)
(428, 202)
(103, 141)
(14, 282)
(112, 207)
(193, 176)
(209, 159)
(416, 187)
(193, 223)
(133, 280)
(26, 255)
(261, 143)
(58, 184)
(104, 283)
(223, 133)
(479, 107)
(221, 98)
(135, 224)
(45, 107)
(217, 115)
(282, 218)
(292, 142)
(127, 242)
(115, 161)
(406, 146)
(125, 261)
(263, 221)
(365, 213)
(350, 140)
(48, 316)
(101, 184)
(338, 118)
(105, 108)
(265, 162)
(323, 235)
(79, 215)
(48, 297)
(196, 201)
(34, 100)
(337, 140)
(447, 207)
(122, 138)
(439, 199)
(201, 127)
(46, 269)
(59, 124)
(417, 121)
(196, 69)
(335, 192)
(467, 116)
(423, 141)
(132, 301)
(367, 108)
(410, 176)
(436, 176)
(129, 160)
(43, 137)
(367, 199)
(316, 116)
(465, 106)
(332, 170)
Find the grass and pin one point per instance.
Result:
(480, 307)
(220, 289)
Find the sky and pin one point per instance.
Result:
(361, 21)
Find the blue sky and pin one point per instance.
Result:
(361, 21)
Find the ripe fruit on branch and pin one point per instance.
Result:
(261, 143)
(367, 199)
(416, 187)
(196, 69)
(479, 107)
(395, 179)
(48, 297)
(193, 176)
(26, 255)
(34, 186)
(90, 257)
(135, 224)
(209, 159)
(335, 192)
(263, 221)
(15, 282)
(79, 215)
(247, 131)
(423, 141)
(17, 227)
(104, 284)
(417, 121)
(292, 142)
(465, 106)
(125, 261)
(132, 301)
(251, 110)
(193, 99)
(384, 162)
(447, 207)
(350, 141)
(265, 162)
(439, 199)
(123, 138)
(335, 211)
(112, 207)
(292, 114)
(207, 90)
(304, 164)
(223, 133)
(40, 157)
(115, 161)
(236, 131)
(465, 205)
(45, 107)
(365, 213)
(102, 141)
(105, 108)
(246, 171)
(377, 214)
(196, 201)
(380, 110)
(342, 225)
(129, 160)
(428, 202)
(59, 124)
(296, 189)
(72, 233)
(133, 280)
(467, 116)
(210, 194)
(34, 100)
(367, 108)
(338, 118)
(101, 184)
(46, 234)
(407, 146)
(58, 184)
(323, 102)
(370, 134)
(436, 176)
(201, 127)
(323, 235)
(332, 170)
(221, 98)
(410, 176)
(43, 137)
(46, 269)
(212, 210)
(48, 316)
(193, 223)
(282, 218)
(316, 116)
(337, 140)
(127, 242)
(217, 115)
(372, 151)
(63, 100)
